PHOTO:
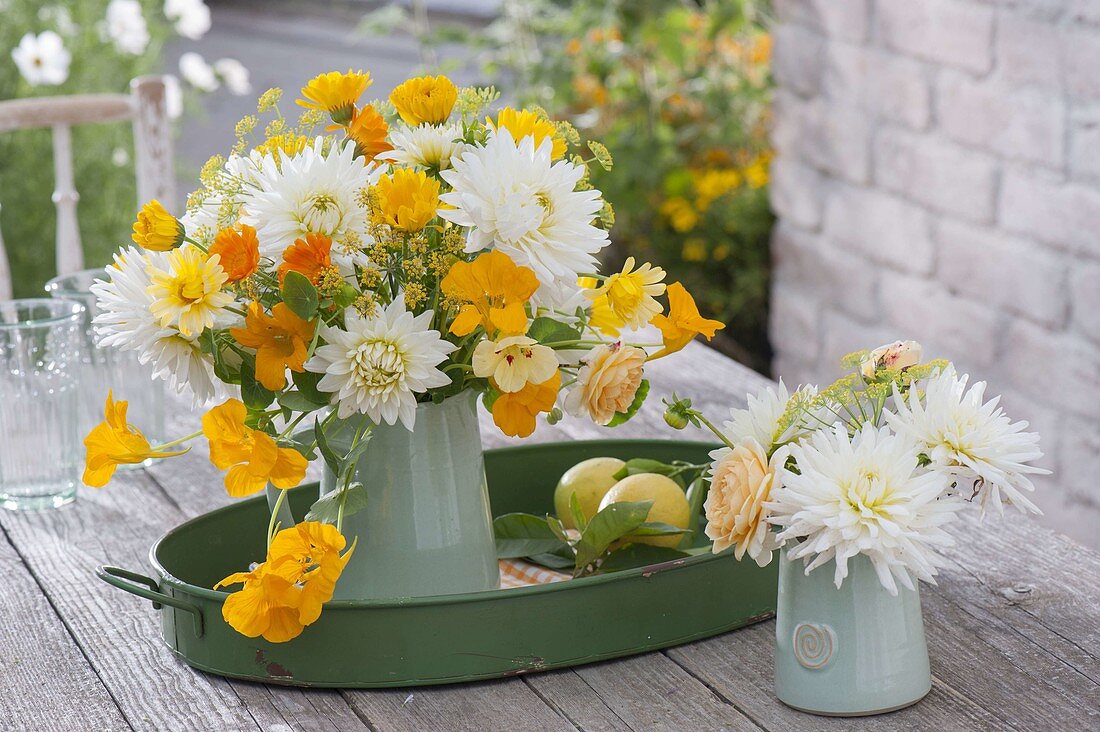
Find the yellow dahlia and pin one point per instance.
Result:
(631, 293)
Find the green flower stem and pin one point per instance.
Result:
(178, 441)
(271, 524)
(717, 433)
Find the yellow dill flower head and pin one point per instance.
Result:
(156, 229)
(427, 99)
(269, 99)
(631, 294)
(525, 123)
(335, 93)
(290, 143)
(188, 293)
(407, 199)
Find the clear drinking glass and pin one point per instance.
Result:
(110, 368)
(40, 449)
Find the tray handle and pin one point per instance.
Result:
(124, 579)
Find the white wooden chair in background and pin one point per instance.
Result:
(144, 106)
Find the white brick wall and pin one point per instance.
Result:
(938, 177)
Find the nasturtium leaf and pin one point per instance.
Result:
(548, 330)
(327, 508)
(300, 295)
(296, 401)
(306, 381)
(253, 393)
(333, 462)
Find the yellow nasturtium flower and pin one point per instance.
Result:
(493, 290)
(156, 229)
(514, 413)
(425, 99)
(683, 322)
(335, 93)
(525, 123)
(113, 442)
(252, 457)
(284, 594)
(407, 199)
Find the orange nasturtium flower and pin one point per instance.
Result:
(335, 93)
(156, 229)
(683, 322)
(251, 456)
(493, 290)
(310, 256)
(113, 442)
(280, 339)
(514, 413)
(427, 99)
(522, 123)
(239, 252)
(369, 129)
(407, 199)
(285, 593)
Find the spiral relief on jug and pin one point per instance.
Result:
(814, 645)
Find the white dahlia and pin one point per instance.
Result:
(125, 321)
(514, 200)
(429, 146)
(310, 192)
(760, 419)
(863, 495)
(376, 365)
(970, 441)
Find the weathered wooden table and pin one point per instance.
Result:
(1013, 630)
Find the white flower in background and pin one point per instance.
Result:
(515, 201)
(742, 480)
(971, 442)
(173, 96)
(59, 16)
(515, 361)
(863, 495)
(429, 146)
(125, 26)
(125, 321)
(310, 192)
(120, 157)
(42, 60)
(234, 74)
(377, 365)
(896, 355)
(196, 72)
(190, 18)
(607, 382)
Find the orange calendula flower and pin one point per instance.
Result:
(113, 442)
(156, 229)
(284, 594)
(251, 457)
(369, 130)
(494, 290)
(238, 252)
(335, 93)
(407, 199)
(280, 339)
(683, 322)
(309, 256)
(425, 99)
(514, 413)
(525, 123)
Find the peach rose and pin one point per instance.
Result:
(742, 479)
(896, 355)
(607, 383)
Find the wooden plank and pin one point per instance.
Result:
(17, 114)
(573, 698)
(739, 667)
(39, 660)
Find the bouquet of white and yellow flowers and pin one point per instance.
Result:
(414, 252)
(875, 464)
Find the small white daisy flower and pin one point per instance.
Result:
(42, 60)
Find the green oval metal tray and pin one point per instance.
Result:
(451, 638)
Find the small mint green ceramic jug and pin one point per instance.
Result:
(427, 528)
(851, 651)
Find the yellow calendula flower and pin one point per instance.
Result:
(494, 290)
(156, 229)
(514, 413)
(683, 322)
(113, 442)
(252, 457)
(427, 99)
(631, 294)
(407, 199)
(525, 123)
(335, 93)
(188, 294)
(284, 594)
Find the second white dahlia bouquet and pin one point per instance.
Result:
(875, 464)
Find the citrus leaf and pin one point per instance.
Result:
(523, 535)
(579, 519)
(609, 525)
(644, 465)
(656, 528)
